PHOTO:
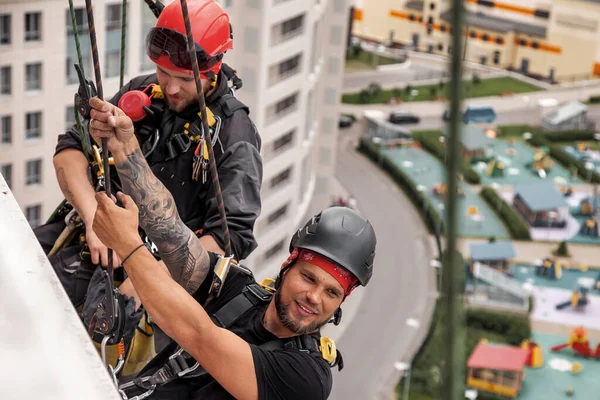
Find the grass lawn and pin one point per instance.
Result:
(357, 66)
(487, 87)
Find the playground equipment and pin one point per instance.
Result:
(566, 190)
(549, 268)
(579, 343)
(535, 357)
(597, 285)
(441, 190)
(495, 168)
(590, 228)
(578, 300)
(583, 146)
(541, 162)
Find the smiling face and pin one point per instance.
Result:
(307, 298)
(179, 88)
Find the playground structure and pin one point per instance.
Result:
(566, 191)
(590, 228)
(579, 343)
(441, 190)
(542, 163)
(535, 356)
(549, 268)
(578, 301)
(495, 168)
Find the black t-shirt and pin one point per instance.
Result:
(281, 373)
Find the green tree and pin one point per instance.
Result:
(562, 249)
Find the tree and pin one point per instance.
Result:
(476, 79)
(562, 250)
(408, 88)
(433, 92)
(397, 92)
(374, 89)
(364, 96)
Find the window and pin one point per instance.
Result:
(330, 96)
(499, 40)
(440, 47)
(535, 45)
(33, 76)
(34, 215)
(33, 125)
(443, 28)
(328, 126)
(325, 156)
(113, 63)
(71, 51)
(5, 80)
(335, 36)
(292, 25)
(281, 178)
(80, 22)
(113, 17)
(69, 117)
(72, 73)
(148, 22)
(277, 214)
(496, 57)
(33, 26)
(432, 6)
(522, 42)
(6, 171)
(250, 39)
(34, 172)
(284, 141)
(411, 17)
(274, 250)
(472, 34)
(253, 4)
(485, 37)
(5, 29)
(286, 104)
(290, 66)
(6, 129)
(333, 65)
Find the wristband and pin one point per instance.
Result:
(133, 251)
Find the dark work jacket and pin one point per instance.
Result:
(239, 166)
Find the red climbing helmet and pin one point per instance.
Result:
(166, 43)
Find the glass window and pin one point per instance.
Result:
(277, 214)
(5, 80)
(336, 35)
(33, 125)
(33, 26)
(274, 250)
(5, 28)
(148, 22)
(34, 215)
(33, 172)
(6, 171)
(33, 76)
(6, 129)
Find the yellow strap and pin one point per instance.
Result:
(328, 350)
(204, 150)
(157, 92)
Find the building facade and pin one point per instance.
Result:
(558, 40)
(289, 54)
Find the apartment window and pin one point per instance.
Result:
(339, 5)
(472, 34)
(330, 96)
(34, 172)
(336, 34)
(80, 22)
(253, 4)
(113, 17)
(440, 47)
(33, 125)
(34, 215)
(274, 250)
(535, 45)
(277, 214)
(33, 26)
(148, 22)
(6, 129)
(113, 63)
(72, 73)
(281, 178)
(286, 104)
(325, 156)
(251, 39)
(6, 171)
(523, 42)
(69, 117)
(328, 126)
(284, 141)
(226, 3)
(333, 65)
(496, 57)
(485, 37)
(287, 29)
(5, 80)
(5, 28)
(443, 28)
(33, 76)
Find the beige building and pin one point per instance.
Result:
(289, 54)
(550, 39)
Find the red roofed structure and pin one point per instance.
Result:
(496, 368)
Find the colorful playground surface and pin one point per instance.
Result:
(476, 217)
(570, 277)
(554, 378)
(581, 153)
(516, 159)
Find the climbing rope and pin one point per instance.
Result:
(123, 41)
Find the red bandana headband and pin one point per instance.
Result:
(342, 275)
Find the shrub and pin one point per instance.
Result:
(562, 249)
(514, 223)
(594, 99)
(514, 327)
(476, 79)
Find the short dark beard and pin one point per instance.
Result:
(283, 312)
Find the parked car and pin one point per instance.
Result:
(403, 117)
(476, 114)
(346, 121)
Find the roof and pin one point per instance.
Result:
(496, 356)
(540, 196)
(492, 251)
(472, 137)
(564, 113)
(481, 20)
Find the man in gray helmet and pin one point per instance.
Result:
(250, 341)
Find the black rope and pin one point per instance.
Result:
(202, 104)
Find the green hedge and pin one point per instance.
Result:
(431, 142)
(514, 223)
(564, 158)
(569, 136)
(594, 99)
(430, 216)
(514, 327)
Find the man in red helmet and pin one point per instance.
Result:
(249, 342)
(163, 107)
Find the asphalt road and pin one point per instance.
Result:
(395, 311)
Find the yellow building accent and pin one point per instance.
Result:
(492, 387)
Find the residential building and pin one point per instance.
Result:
(289, 54)
(557, 40)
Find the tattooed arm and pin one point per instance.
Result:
(180, 249)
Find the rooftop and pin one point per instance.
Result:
(540, 196)
(503, 25)
(496, 356)
(564, 113)
(492, 251)
(472, 137)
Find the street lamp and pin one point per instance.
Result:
(405, 368)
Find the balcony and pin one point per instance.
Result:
(275, 78)
(281, 38)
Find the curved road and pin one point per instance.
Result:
(394, 313)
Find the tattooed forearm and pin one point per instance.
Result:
(64, 184)
(179, 248)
